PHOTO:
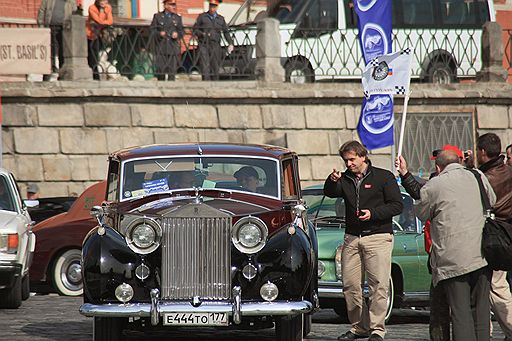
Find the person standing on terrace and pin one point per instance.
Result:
(100, 15)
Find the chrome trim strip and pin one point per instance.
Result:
(324, 292)
(416, 296)
(276, 308)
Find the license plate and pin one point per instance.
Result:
(196, 319)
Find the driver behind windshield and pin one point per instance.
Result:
(248, 178)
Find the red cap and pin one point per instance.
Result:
(449, 147)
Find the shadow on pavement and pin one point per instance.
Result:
(65, 331)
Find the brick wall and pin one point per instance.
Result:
(77, 124)
(22, 9)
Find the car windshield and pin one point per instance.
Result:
(159, 175)
(286, 11)
(6, 196)
(320, 206)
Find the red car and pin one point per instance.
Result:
(59, 239)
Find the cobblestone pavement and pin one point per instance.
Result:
(51, 317)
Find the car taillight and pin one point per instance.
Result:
(9, 243)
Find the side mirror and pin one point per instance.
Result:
(31, 203)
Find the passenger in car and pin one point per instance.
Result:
(248, 178)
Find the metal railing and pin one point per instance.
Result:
(508, 51)
(439, 56)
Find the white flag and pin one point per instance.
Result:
(388, 74)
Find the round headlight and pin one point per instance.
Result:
(249, 235)
(143, 235)
(269, 291)
(124, 292)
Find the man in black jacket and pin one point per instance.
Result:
(167, 30)
(208, 28)
(372, 198)
(491, 163)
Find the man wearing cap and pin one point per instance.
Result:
(208, 28)
(439, 323)
(248, 178)
(167, 30)
(32, 191)
(451, 201)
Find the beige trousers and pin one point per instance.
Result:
(370, 256)
(501, 301)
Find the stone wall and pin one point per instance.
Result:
(59, 134)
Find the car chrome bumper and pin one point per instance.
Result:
(157, 308)
(330, 289)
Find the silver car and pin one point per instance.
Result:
(17, 244)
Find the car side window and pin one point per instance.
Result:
(113, 179)
(406, 221)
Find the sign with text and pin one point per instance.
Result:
(24, 51)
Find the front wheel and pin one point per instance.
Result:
(289, 328)
(67, 273)
(107, 328)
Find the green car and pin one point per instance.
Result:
(409, 281)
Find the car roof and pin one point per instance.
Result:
(201, 149)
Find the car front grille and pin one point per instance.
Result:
(196, 253)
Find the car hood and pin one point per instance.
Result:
(328, 240)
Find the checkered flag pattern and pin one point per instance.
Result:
(399, 90)
(374, 62)
(406, 51)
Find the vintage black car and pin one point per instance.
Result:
(201, 235)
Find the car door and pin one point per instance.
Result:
(408, 251)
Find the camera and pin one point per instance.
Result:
(466, 154)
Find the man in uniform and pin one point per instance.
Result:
(167, 30)
(208, 29)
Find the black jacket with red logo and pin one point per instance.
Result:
(378, 192)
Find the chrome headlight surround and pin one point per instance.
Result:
(138, 228)
(249, 234)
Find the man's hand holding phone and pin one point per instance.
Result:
(364, 215)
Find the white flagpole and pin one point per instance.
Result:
(402, 127)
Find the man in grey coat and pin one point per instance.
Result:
(452, 202)
(54, 14)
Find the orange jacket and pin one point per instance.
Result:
(97, 19)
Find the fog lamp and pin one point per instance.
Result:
(124, 292)
(249, 271)
(321, 268)
(269, 291)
